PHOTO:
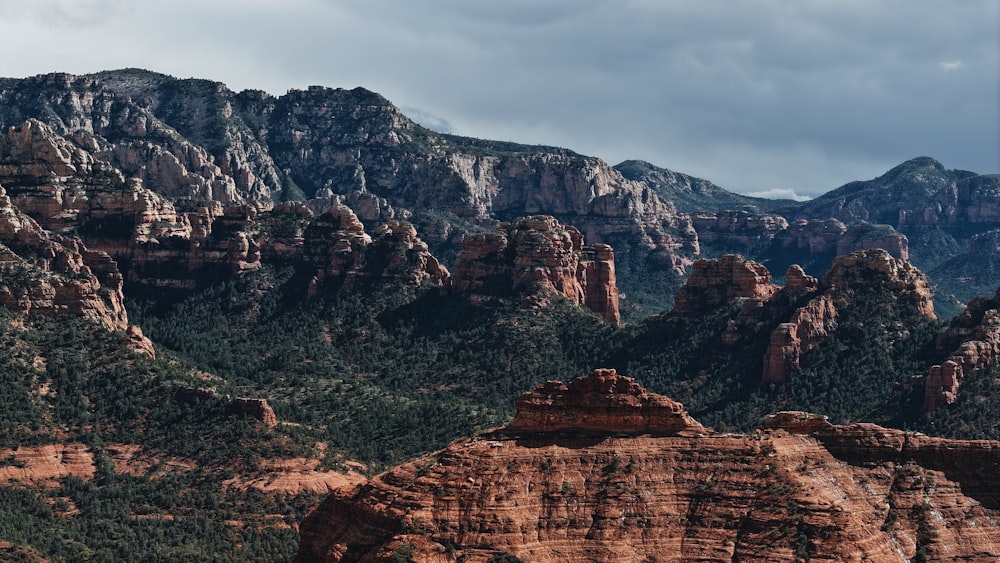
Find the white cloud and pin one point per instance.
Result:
(949, 66)
(779, 193)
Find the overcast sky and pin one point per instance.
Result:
(755, 96)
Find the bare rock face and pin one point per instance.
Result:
(815, 320)
(797, 282)
(973, 339)
(138, 343)
(716, 282)
(807, 327)
(801, 489)
(759, 232)
(600, 402)
(737, 229)
(196, 139)
(539, 255)
(256, 408)
(52, 274)
(906, 281)
(866, 236)
(345, 256)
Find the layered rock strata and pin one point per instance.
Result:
(196, 139)
(716, 282)
(538, 254)
(803, 489)
(600, 402)
(768, 233)
(52, 274)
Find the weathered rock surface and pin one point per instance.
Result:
(716, 282)
(256, 408)
(52, 274)
(294, 476)
(535, 255)
(196, 139)
(815, 320)
(973, 340)
(45, 466)
(803, 489)
(602, 401)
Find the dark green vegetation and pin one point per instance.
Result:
(381, 376)
(98, 394)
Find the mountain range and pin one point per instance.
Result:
(219, 306)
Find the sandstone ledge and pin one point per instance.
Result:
(602, 401)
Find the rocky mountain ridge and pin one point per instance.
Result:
(197, 140)
(802, 488)
(190, 244)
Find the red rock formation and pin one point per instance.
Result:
(737, 229)
(812, 322)
(600, 402)
(46, 465)
(804, 489)
(539, 255)
(346, 257)
(866, 236)
(807, 327)
(905, 280)
(797, 282)
(52, 274)
(256, 408)
(973, 339)
(716, 282)
(138, 343)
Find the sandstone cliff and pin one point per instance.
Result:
(537, 255)
(52, 274)
(196, 139)
(864, 271)
(804, 489)
(716, 282)
(600, 402)
(973, 341)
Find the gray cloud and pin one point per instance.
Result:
(799, 95)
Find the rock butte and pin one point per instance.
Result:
(544, 491)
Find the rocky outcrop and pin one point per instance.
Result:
(52, 274)
(973, 341)
(256, 408)
(740, 230)
(803, 489)
(772, 235)
(345, 257)
(136, 341)
(713, 283)
(604, 402)
(196, 139)
(866, 236)
(46, 466)
(903, 280)
(814, 321)
(538, 255)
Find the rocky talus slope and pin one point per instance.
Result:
(624, 482)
